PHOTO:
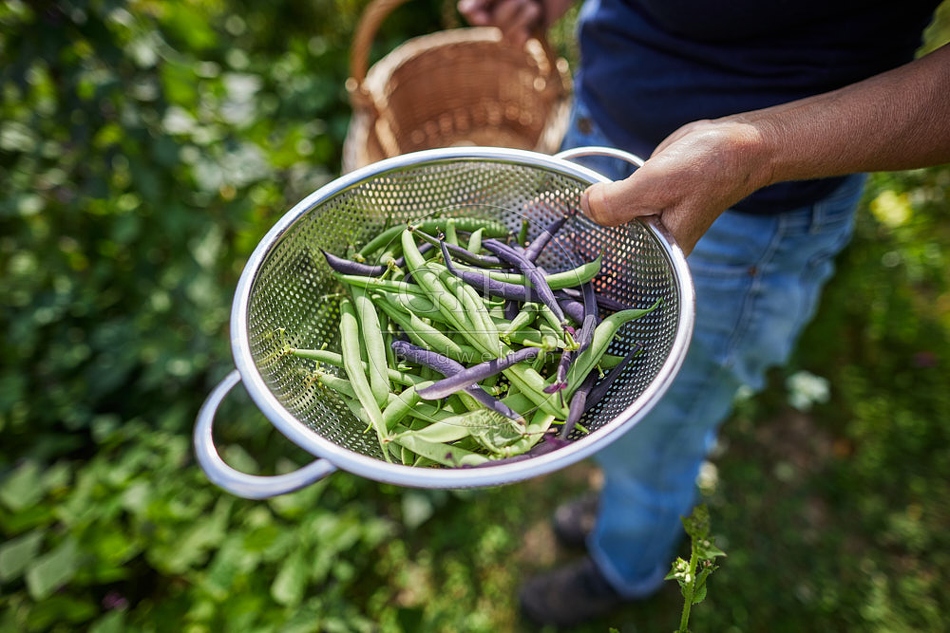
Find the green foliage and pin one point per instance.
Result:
(146, 147)
(136, 535)
(692, 575)
(139, 175)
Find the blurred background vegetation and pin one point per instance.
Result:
(145, 148)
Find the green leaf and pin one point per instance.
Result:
(112, 622)
(699, 594)
(707, 550)
(17, 553)
(53, 570)
(60, 610)
(290, 583)
(23, 488)
(417, 508)
(697, 524)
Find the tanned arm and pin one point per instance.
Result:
(893, 121)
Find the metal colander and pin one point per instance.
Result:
(287, 295)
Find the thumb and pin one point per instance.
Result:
(611, 203)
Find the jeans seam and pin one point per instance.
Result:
(755, 288)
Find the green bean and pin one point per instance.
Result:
(609, 361)
(381, 240)
(468, 223)
(336, 360)
(449, 305)
(552, 319)
(399, 407)
(384, 332)
(356, 370)
(523, 233)
(518, 401)
(423, 334)
(523, 319)
(448, 429)
(475, 240)
(427, 414)
(375, 283)
(532, 384)
(479, 322)
(535, 430)
(451, 236)
(491, 228)
(603, 335)
(418, 304)
(570, 278)
(336, 383)
(443, 454)
(359, 412)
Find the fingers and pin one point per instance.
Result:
(476, 12)
(517, 19)
(611, 204)
(618, 202)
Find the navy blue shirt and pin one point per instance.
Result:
(650, 66)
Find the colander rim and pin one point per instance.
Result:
(379, 470)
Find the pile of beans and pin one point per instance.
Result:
(459, 350)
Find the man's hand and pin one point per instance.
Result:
(518, 20)
(693, 176)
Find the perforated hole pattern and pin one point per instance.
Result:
(294, 298)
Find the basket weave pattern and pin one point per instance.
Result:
(457, 87)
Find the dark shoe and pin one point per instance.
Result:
(569, 596)
(574, 520)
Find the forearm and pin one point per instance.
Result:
(896, 120)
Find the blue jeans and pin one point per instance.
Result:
(758, 280)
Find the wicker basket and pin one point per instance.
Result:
(462, 86)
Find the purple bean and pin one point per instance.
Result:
(448, 367)
(598, 392)
(585, 334)
(578, 404)
(535, 275)
(476, 373)
(537, 245)
(573, 309)
(350, 267)
(510, 309)
(591, 317)
(560, 380)
(603, 301)
(462, 253)
(484, 283)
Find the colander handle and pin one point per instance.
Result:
(234, 481)
(610, 152)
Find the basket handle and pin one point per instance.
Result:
(234, 481)
(370, 21)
